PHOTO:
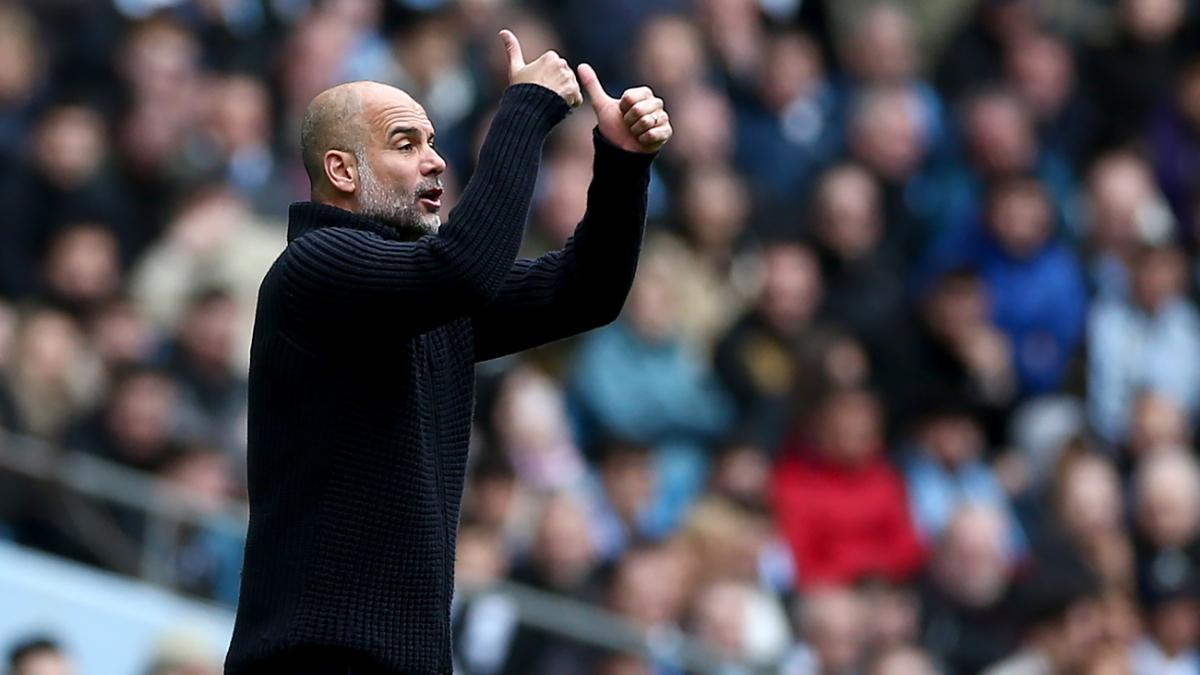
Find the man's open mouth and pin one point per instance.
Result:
(431, 198)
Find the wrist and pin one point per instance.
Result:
(535, 100)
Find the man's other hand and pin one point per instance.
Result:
(549, 70)
(635, 122)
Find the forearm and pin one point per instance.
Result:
(484, 231)
(607, 242)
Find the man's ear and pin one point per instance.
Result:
(341, 170)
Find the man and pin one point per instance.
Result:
(367, 329)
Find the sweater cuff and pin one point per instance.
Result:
(619, 159)
(536, 101)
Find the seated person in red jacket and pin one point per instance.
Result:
(838, 501)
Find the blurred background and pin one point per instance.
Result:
(907, 383)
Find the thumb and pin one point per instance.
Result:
(516, 60)
(591, 84)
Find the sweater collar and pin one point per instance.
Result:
(304, 217)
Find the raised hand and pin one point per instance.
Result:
(549, 70)
(635, 122)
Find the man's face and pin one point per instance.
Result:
(399, 170)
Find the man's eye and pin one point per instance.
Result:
(405, 148)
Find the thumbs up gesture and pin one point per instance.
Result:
(549, 70)
(635, 122)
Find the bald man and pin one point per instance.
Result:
(362, 364)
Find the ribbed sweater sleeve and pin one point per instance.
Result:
(584, 284)
(359, 277)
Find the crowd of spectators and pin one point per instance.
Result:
(907, 382)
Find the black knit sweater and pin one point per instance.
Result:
(361, 393)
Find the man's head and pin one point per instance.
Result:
(833, 621)
(368, 148)
(38, 656)
(970, 564)
(850, 426)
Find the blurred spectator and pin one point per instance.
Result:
(497, 500)
(64, 182)
(839, 503)
(1125, 210)
(975, 53)
(1166, 489)
(207, 561)
(730, 542)
(1148, 341)
(1064, 623)
(651, 586)
(1040, 67)
(831, 623)
(885, 135)
(1171, 595)
(53, 376)
(81, 269)
(700, 116)
(121, 334)
(741, 471)
(137, 423)
(561, 201)
(481, 560)
(759, 360)
(946, 471)
(22, 78)
(1034, 281)
(967, 612)
(38, 656)
(881, 49)
(670, 55)
(1131, 71)
(637, 380)
(960, 351)
(1174, 139)
(562, 556)
(158, 66)
(1087, 520)
(1001, 142)
(626, 491)
(562, 559)
(786, 118)
(895, 618)
(213, 241)
(235, 142)
(430, 65)
(533, 432)
(741, 622)
(859, 264)
(1157, 423)
(713, 205)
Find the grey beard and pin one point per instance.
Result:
(397, 209)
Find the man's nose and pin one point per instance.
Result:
(433, 165)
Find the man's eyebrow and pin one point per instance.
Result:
(404, 131)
